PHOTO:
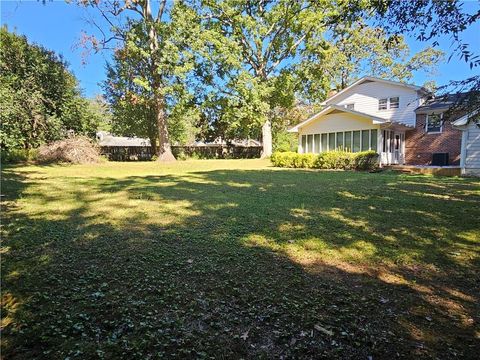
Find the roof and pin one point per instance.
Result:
(106, 139)
(443, 102)
(375, 79)
(464, 120)
(331, 108)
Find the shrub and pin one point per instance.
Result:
(366, 160)
(19, 155)
(76, 150)
(335, 160)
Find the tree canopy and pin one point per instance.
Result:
(39, 97)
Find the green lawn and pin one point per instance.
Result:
(235, 259)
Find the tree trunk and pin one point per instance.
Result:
(164, 150)
(267, 139)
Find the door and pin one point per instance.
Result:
(398, 144)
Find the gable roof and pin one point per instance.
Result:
(443, 102)
(331, 108)
(366, 79)
(465, 119)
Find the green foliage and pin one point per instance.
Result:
(39, 97)
(365, 160)
(18, 155)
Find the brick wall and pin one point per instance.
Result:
(419, 146)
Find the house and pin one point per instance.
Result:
(401, 122)
(469, 125)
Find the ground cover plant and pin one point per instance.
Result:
(237, 259)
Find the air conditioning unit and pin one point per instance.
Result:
(440, 159)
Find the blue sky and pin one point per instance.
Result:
(58, 27)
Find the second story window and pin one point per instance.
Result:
(394, 102)
(382, 104)
(389, 103)
(350, 106)
(434, 123)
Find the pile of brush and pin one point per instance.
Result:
(75, 150)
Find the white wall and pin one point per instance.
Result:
(365, 97)
(472, 149)
(337, 122)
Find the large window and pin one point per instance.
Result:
(324, 142)
(434, 123)
(348, 141)
(356, 141)
(365, 140)
(331, 141)
(316, 143)
(394, 102)
(373, 139)
(360, 140)
(340, 140)
(309, 143)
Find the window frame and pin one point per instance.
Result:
(440, 127)
(350, 104)
(388, 103)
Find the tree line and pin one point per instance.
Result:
(40, 98)
(203, 69)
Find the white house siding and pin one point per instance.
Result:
(337, 123)
(471, 160)
(365, 97)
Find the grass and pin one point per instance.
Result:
(235, 259)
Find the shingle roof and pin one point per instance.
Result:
(443, 102)
(105, 139)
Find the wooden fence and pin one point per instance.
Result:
(144, 153)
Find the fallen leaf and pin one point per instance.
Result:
(323, 330)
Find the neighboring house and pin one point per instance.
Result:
(106, 139)
(470, 149)
(397, 120)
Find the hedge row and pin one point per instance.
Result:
(365, 160)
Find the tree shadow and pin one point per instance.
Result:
(237, 264)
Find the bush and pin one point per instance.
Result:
(366, 160)
(335, 160)
(76, 150)
(19, 155)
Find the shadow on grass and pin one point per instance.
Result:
(239, 264)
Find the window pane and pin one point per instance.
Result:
(340, 140)
(304, 144)
(394, 102)
(348, 141)
(373, 140)
(324, 142)
(382, 104)
(356, 141)
(350, 106)
(309, 143)
(331, 141)
(434, 123)
(316, 143)
(365, 140)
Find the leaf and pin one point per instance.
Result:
(244, 336)
(323, 330)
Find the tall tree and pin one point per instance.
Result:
(157, 33)
(261, 40)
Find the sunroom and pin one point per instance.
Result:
(338, 128)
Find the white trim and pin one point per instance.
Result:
(376, 120)
(371, 78)
(463, 151)
(441, 124)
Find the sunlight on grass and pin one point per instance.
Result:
(215, 255)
